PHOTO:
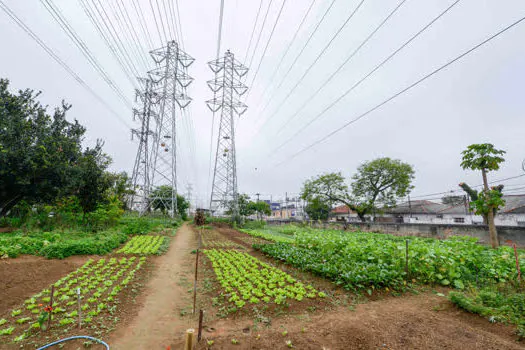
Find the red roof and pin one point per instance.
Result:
(342, 209)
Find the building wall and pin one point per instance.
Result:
(468, 219)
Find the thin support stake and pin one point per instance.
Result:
(195, 282)
(201, 316)
(406, 260)
(79, 310)
(517, 263)
(50, 307)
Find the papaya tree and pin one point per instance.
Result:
(486, 158)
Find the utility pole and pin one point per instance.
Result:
(228, 88)
(164, 95)
(409, 206)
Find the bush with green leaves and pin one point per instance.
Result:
(360, 260)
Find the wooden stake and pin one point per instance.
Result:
(189, 339)
(195, 282)
(201, 316)
(79, 310)
(406, 259)
(517, 263)
(51, 306)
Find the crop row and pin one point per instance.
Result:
(362, 260)
(144, 245)
(100, 283)
(247, 279)
(269, 236)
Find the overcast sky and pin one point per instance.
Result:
(478, 99)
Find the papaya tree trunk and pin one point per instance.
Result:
(492, 227)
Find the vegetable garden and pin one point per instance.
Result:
(100, 282)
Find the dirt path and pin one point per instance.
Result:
(158, 321)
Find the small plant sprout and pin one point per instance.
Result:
(289, 344)
(284, 333)
(210, 342)
(235, 341)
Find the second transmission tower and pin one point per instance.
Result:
(227, 88)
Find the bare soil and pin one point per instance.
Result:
(28, 275)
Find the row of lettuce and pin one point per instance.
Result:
(486, 279)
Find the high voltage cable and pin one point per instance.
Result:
(323, 51)
(266, 46)
(405, 89)
(143, 23)
(127, 71)
(327, 81)
(161, 21)
(377, 67)
(131, 27)
(120, 16)
(114, 35)
(253, 32)
(156, 23)
(173, 21)
(300, 53)
(179, 23)
(260, 32)
(81, 45)
(167, 20)
(219, 34)
(289, 46)
(51, 53)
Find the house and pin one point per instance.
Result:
(428, 212)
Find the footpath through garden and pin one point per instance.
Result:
(157, 322)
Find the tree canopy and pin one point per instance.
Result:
(41, 155)
(163, 199)
(381, 180)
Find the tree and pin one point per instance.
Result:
(120, 186)
(453, 200)
(476, 203)
(317, 209)
(41, 157)
(261, 208)
(243, 203)
(382, 179)
(163, 199)
(486, 158)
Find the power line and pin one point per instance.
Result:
(219, 35)
(260, 32)
(300, 53)
(253, 32)
(161, 21)
(157, 24)
(143, 23)
(266, 46)
(327, 81)
(323, 51)
(377, 67)
(81, 45)
(179, 23)
(434, 72)
(289, 45)
(51, 53)
(126, 68)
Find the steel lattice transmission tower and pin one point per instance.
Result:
(167, 97)
(227, 88)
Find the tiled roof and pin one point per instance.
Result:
(342, 209)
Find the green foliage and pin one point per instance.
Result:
(503, 303)
(361, 260)
(254, 225)
(486, 201)
(317, 209)
(482, 157)
(143, 245)
(163, 202)
(260, 208)
(59, 246)
(383, 180)
(268, 235)
(246, 279)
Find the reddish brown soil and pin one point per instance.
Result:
(26, 275)
(423, 321)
